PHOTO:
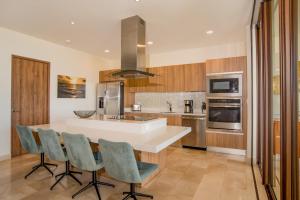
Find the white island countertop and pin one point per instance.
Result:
(153, 137)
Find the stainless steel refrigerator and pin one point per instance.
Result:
(110, 98)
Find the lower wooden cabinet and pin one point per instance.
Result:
(225, 140)
(173, 120)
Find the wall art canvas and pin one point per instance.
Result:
(70, 87)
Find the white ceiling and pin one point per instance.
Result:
(171, 24)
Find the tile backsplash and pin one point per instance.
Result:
(157, 101)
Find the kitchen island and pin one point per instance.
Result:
(149, 138)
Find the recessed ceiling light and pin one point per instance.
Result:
(137, 0)
(68, 41)
(209, 32)
(106, 51)
(150, 42)
(72, 22)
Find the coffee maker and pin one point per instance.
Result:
(188, 106)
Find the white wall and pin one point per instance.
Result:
(187, 56)
(197, 55)
(64, 61)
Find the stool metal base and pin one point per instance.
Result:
(68, 172)
(42, 164)
(132, 194)
(94, 183)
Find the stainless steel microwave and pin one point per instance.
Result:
(225, 84)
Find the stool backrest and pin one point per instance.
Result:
(79, 151)
(51, 145)
(27, 140)
(119, 161)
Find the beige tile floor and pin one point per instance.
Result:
(189, 175)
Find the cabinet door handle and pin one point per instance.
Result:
(13, 110)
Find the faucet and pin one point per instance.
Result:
(170, 106)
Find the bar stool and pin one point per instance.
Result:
(120, 163)
(81, 156)
(29, 144)
(52, 147)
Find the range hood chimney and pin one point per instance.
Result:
(133, 49)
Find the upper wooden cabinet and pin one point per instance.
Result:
(106, 76)
(194, 77)
(157, 83)
(232, 64)
(176, 78)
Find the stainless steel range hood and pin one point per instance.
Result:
(133, 49)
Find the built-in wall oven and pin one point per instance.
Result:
(227, 84)
(224, 113)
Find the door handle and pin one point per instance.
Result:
(13, 110)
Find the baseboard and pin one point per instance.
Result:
(239, 152)
(5, 157)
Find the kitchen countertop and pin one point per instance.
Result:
(153, 140)
(155, 111)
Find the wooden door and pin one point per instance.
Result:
(30, 96)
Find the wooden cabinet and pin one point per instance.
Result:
(194, 77)
(232, 64)
(229, 139)
(106, 76)
(129, 97)
(157, 83)
(175, 78)
(173, 120)
(225, 140)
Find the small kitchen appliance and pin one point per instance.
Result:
(136, 108)
(188, 106)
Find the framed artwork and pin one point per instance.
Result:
(70, 87)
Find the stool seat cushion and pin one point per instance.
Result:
(146, 169)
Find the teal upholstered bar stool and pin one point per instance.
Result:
(53, 149)
(120, 163)
(29, 144)
(81, 156)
